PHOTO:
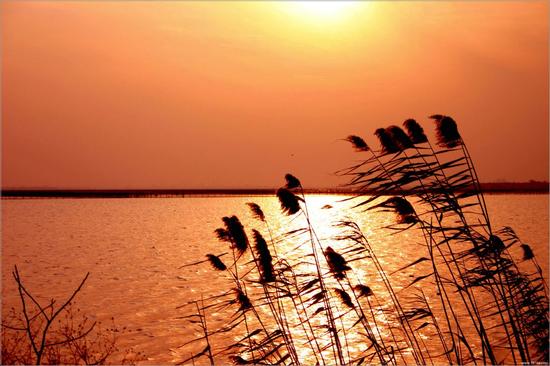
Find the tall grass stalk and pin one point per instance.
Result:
(299, 301)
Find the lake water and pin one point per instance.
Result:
(134, 249)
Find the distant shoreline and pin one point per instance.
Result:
(502, 188)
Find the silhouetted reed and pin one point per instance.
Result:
(387, 143)
(447, 131)
(363, 290)
(344, 298)
(256, 211)
(336, 263)
(400, 138)
(242, 300)
(358, 143)
(289, 201)
(216, 262)
(235, 232)
(265, 264)
(312, 306)
(527, 252)
(446, 187)
(415, 131)
(404, 210)
(292, 181)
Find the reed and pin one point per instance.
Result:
(299, 298)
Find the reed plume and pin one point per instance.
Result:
(415, 131)
(256, 211)
(401, 207)
(399, 137)
(446, 131)
(387, 144)
(337, 264)
(291, 182)
(216, 262)
(265, 264)
(222, 234)
(289, 201)
(236, 232)
(497, 245)
(242, 300)
(358, 143)
(527, 252)
(363, 290)
(344, 297)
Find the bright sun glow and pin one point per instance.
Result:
(323, 11)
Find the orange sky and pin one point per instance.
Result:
(219, 94)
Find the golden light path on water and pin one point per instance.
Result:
(298, 249)
(134, 249)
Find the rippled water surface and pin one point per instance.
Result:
(134, 249)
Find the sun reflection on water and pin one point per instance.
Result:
(375, 313)
(325, 212)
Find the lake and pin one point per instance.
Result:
(134, 248)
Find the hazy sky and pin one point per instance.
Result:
(219, 94)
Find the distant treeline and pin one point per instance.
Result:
(527, 187)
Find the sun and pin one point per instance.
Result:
(322, 11)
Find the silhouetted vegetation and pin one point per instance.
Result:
(57, 333)
(500, 187)
(476, 293)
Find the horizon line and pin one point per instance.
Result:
(493, 187)
(91, 189)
